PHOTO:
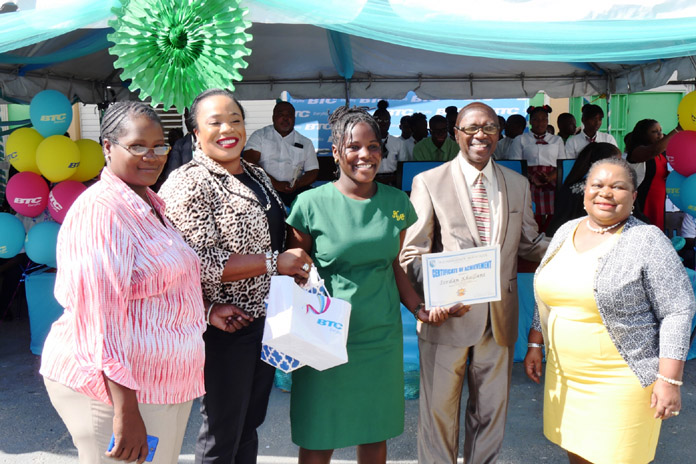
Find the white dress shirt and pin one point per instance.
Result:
(501, 150)
(576, 143)
(395, 153)
(408, 145)
(525, 147)
(490, 182)
(283, 158)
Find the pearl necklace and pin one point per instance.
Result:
(603, 230)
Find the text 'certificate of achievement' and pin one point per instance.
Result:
(465, 276)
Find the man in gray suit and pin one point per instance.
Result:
(485, 334)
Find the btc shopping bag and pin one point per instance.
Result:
(307, 325)
(279, 360)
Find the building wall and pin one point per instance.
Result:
(89, 122)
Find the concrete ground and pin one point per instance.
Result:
(32, 432)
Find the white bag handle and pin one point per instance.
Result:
(315, 284)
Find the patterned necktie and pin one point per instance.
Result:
(479, 203)
(540, 139)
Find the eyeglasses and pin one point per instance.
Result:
(488, 129)
(140, 150)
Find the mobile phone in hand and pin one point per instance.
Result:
(151, 446)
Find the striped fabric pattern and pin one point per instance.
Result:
(482, 214)
(133, 305)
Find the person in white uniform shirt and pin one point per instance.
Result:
(541, 150)
(514, 127)
(392, 147)
(287, 156)
(592, 116)
(406, 137)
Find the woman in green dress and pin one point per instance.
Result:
(353, 230)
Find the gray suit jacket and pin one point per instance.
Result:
(643, 294)
(446, 223)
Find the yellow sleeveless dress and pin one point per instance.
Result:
(594, 405)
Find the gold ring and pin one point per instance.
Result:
(675, 413)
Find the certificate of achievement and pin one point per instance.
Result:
(465, 276)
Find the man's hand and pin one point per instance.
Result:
(282, 186)
(459, 309)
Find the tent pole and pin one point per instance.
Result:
(347, 85)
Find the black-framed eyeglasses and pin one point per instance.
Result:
(488, 129)
(141, 150)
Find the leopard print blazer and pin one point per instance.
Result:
(218, 215)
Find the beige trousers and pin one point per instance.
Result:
(444, 369)
(90, 423)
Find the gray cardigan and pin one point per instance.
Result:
(643, 294)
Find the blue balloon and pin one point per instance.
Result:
(11, 236)
(673, 184)
(687, 195)
(50, 113)
(40, 243)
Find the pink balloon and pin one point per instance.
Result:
(61, 198)
(27, 193)
(681, 152)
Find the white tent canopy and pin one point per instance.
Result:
(301, 58)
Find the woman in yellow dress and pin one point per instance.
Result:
(614, 306)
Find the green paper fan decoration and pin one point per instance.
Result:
(172, 50)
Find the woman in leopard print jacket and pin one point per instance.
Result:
(228, 212)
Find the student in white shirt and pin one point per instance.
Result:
(406, 137)
(592, 116)
(541, 150)
(392, 147)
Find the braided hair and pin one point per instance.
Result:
(117, 115)
(344, 119)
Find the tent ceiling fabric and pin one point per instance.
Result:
(390, 71)
(298, 57)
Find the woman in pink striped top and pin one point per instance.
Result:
(127, 355)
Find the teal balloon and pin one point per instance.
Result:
(41, 241)
(50, 112)
(673, 185)
(11, 236)
(687, 195)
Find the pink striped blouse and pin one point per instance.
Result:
(133, 307)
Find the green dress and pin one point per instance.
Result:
(355, 244)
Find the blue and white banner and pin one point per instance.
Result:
(312, 115)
